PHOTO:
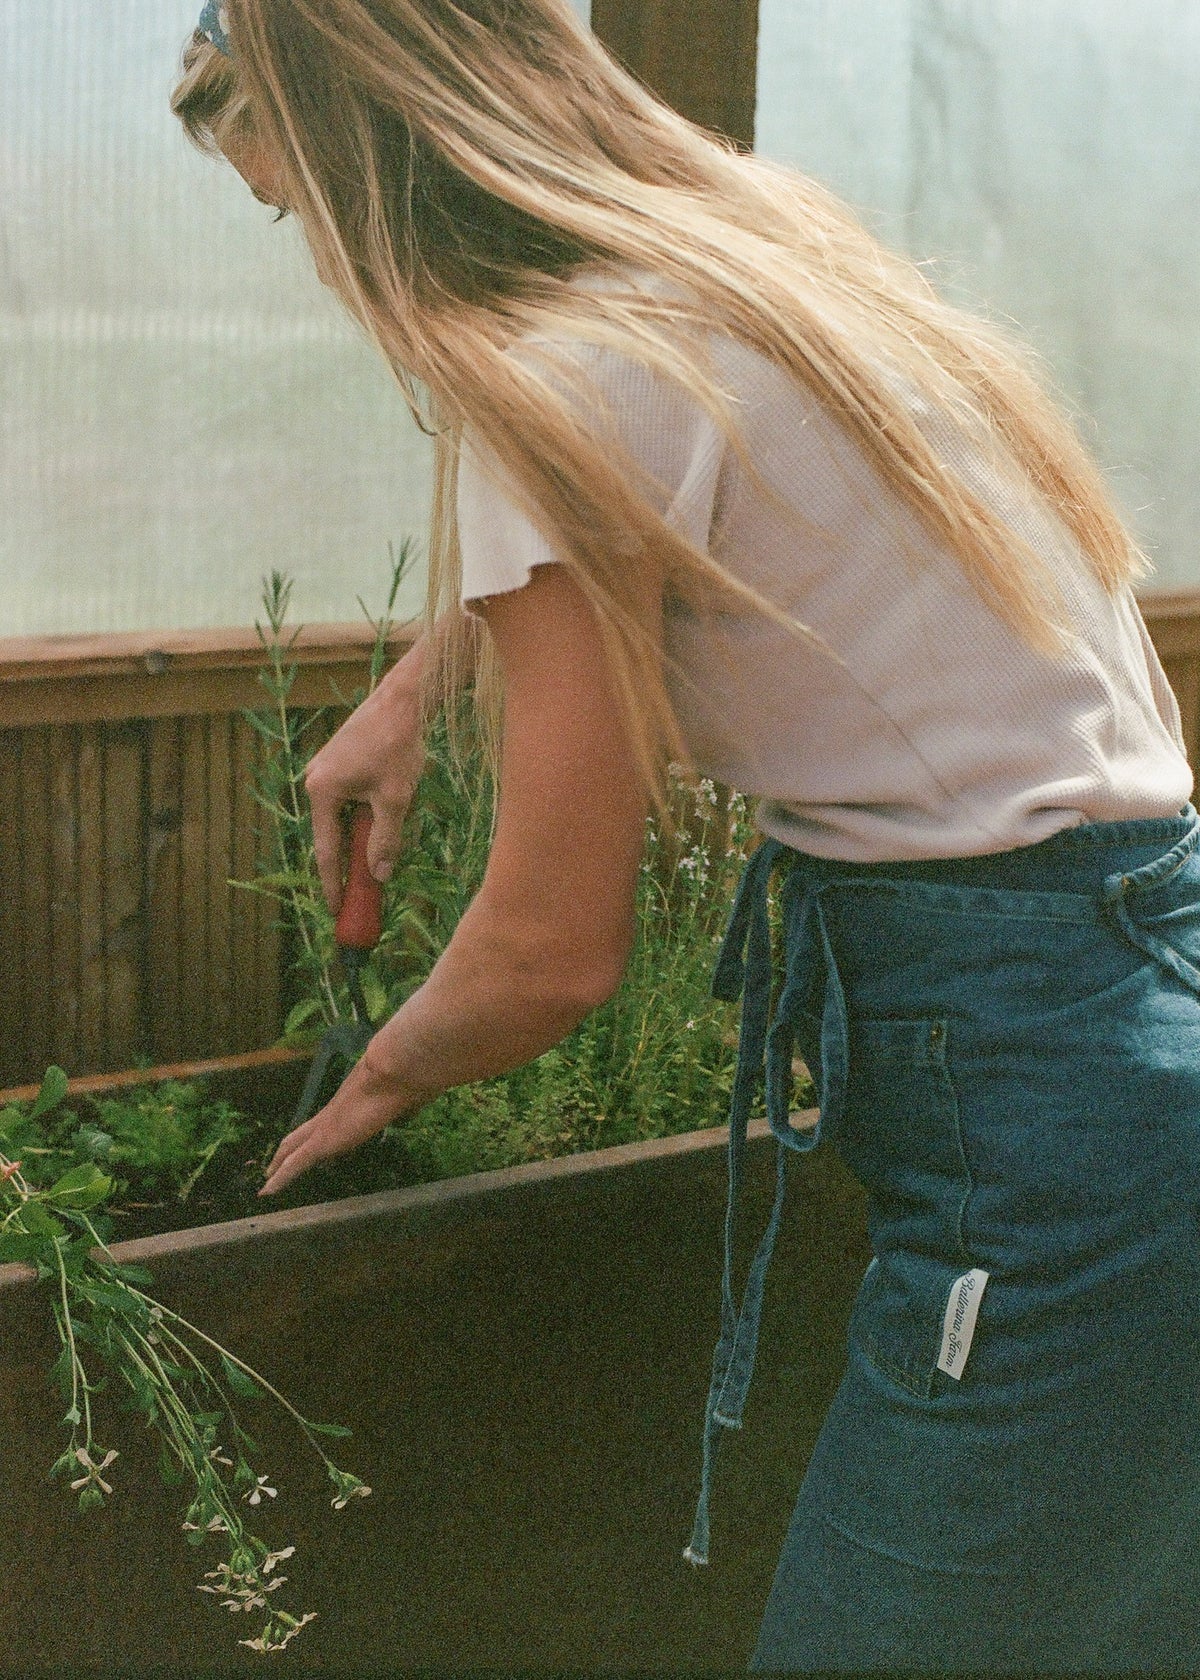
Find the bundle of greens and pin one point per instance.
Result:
(169, 1370)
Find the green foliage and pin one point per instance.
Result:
(158, 1137)
(290, 875)
(166, 1134)
(656, 1060)
(159, 1361)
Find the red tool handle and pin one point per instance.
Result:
(360, 920)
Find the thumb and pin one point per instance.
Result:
(329, 846)
(382, 848)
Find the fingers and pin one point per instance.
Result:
(363, 1106)
(376, 758)
(329, 841)
(296, 1163)
(329, 835)
(307, 1150)
(289, 1159)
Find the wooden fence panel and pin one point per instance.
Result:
(1183, 674)
(89, 980)
(123, 877)
(701, 56)
(120, 938)
(66, 924)
(126, 810)
(166, 951)
(36, 887)
(197, 977)
(12, 910)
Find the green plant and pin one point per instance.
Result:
(289, 873)
(168, 1134)
(180, 1380)
(157, 1139)
(658, 1058)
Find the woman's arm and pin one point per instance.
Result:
(547, 937)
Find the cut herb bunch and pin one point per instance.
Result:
(176, 1376)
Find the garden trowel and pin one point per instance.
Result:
(359, 924)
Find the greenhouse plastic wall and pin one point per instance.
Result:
(183, 406)
(1046, 154)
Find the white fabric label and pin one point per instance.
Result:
(962, 1309)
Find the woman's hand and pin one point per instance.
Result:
(376, 759)
(366, 1102)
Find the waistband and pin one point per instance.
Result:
(1076, 859)
(1089, 872)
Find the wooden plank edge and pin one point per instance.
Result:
(155, 652)
(93, 1084)
(114, 699)
(352, 1210)
(1168, 603)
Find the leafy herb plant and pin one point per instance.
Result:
(156, 1140)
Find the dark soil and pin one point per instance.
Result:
(228, 1187)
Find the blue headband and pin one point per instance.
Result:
(215, 24)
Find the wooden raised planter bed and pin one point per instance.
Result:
(523, 1357)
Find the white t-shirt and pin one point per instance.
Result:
(944, 734)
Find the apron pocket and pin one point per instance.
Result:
(915, 1318)
(901, 1139)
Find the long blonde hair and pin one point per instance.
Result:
(457, 164)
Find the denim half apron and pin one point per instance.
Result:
(1007, 1054)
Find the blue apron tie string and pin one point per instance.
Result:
(764, 1056)
(1115, 903)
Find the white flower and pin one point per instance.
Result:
(255, 1602)
(256, 1493)
(272, 1558)
(340, 1504)
(93, 1470)
(225, 1575)
(265, 1642)
(219, 1456)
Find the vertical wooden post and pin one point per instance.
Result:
(701, 56)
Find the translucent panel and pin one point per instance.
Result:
(183, 406)
(1047, 154)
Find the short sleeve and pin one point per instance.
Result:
(500, 544)
(663, 429)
